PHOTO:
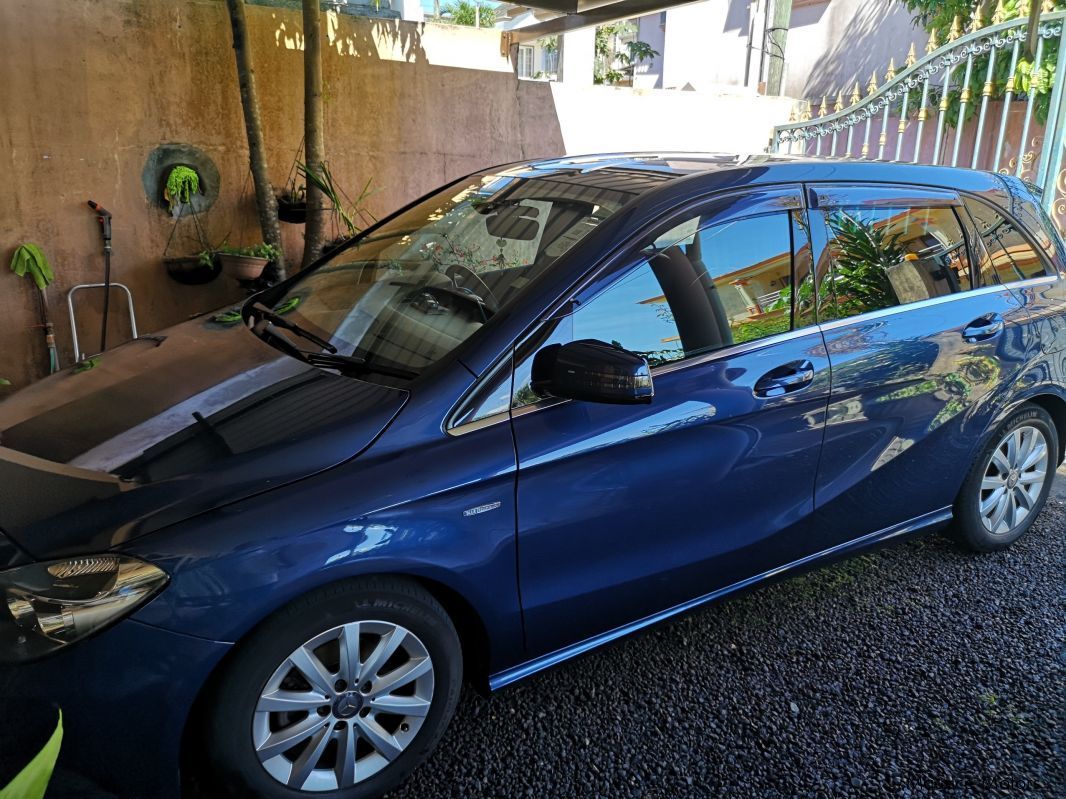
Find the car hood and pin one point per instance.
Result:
(161, 430)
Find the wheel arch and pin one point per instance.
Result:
(470, 627)
(1056, 408)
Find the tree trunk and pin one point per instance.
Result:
(314, 138)
(265, 201)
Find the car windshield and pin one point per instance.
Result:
(395, 302)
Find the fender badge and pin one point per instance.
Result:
(481, 509)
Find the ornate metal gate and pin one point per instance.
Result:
(953, 107)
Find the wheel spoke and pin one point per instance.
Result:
(1026, 437)
(344, 769)
(400, 676)
(285, 739)
(385, 649)
(379, 738)
(1036, 454)
(1036, 476)
(401, 705)
(1022, 498)
(993, 500)
(307, 663)
(1000, 461)
(1012, 447)
(290, 701)
(1012, 511)
(1002, 506)
(992, 483)
(305, 763)
(349, 649)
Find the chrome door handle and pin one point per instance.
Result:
(985, 328)
(785, 379)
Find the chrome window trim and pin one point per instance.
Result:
(478, 424)
(932, 301)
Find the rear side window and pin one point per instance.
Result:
(884, 257)
(698, 290)
(1006, 256)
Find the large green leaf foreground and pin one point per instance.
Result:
(32, 781)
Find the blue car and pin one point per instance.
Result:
(537, 410)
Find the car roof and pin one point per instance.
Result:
(642, 172)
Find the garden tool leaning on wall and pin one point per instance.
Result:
(30, 260)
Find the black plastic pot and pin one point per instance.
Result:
(292, 212)
(189, 271)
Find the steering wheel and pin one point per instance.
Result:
(453, 267)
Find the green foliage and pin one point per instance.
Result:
(344, 208)
(86, 364)
(289, 305)
(32, 781)
(862, 254)
(612, 65)
(182, 184)
(760, 328)
(4, 381)
(30, 260)
(939, 15)
(268, 251)
(465, 12)
(228, 318)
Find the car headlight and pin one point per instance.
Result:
(45, 606)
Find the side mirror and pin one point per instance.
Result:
(593, 371)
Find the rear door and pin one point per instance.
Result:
(923, 355)
(624, 511)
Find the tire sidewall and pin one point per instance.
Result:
(228, 723)
(970, 527)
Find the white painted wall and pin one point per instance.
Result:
(608, 119)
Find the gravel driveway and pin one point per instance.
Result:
(919, 670)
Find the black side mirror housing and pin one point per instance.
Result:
(593, 371)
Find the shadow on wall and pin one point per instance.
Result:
(854, 44)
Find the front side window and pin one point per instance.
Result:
(1006, 256)
(695, 290)
(394, 303)
(883, 257)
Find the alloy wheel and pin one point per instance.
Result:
(342, 706)
(1013, 479)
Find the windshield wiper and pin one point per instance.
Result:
(264, 313)
(351, 363)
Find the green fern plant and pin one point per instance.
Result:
(30, 260)
(182, 184)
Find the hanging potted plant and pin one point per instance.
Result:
(348, 214)
(292, 204)
(201, 267)
(246, 263)
(181, 186)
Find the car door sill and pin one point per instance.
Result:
(523, 670)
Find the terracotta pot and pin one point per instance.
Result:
(242, 267)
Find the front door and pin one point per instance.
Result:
(625, 511)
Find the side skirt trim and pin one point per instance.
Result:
(523, 670)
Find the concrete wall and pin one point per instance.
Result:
(92, 87)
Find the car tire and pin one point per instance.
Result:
(245, 732)
(1008, 484)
